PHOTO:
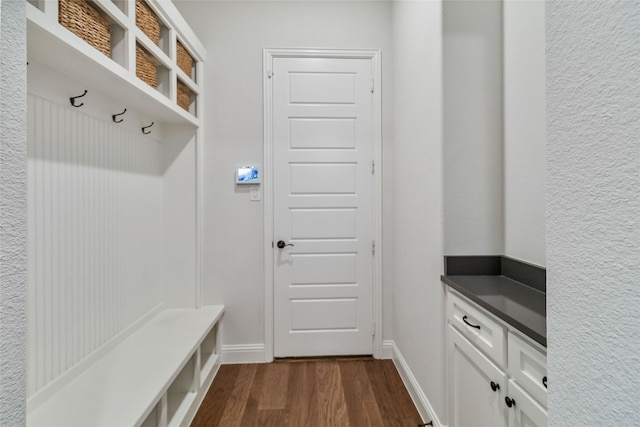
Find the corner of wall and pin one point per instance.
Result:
(13, 231)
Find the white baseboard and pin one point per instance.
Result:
(242, 353)
(387, 349)
(417, 395)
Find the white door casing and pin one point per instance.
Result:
(321, 140)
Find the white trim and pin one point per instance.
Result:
(267, 193)
(423, 405)
(387, 349)
(200, 193)
(243, 353)
(267, 185)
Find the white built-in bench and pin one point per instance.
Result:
(156, 377)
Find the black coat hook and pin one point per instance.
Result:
(73, 99)
(145, 128)
(116, 115)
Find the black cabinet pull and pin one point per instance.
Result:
(509, 401)
(495, 386)
(464, 319)
(544, 381)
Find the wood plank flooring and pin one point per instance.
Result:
(308, 393)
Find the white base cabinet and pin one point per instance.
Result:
(476, 386)
(487, 389)
(525, 412)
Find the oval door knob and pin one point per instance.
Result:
(544, 381)
(509, 401)
(281, 244)
(495, 386)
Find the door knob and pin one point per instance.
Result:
(281, 244)
(509, 401)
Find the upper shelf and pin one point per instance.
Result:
(53, 44)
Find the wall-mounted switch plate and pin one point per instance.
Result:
(255, 193)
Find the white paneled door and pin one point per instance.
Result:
(323, 212)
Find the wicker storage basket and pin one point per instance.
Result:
(85, 22)
(184, 96)
(184, 60)
(146, 68)
(147, 21)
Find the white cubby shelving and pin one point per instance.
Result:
(118, 333)
(208, 354)
(54, 45)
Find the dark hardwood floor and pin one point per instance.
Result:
(308, 393)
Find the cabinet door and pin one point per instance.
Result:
(473, 400)
(525, 412)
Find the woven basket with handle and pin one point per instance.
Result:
(146, 68)
(147, 21)
(85, 22)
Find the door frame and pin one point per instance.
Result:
(267, 183)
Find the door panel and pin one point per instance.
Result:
(327, 269)
(323, 146)
(323, 178)
(323, 223)
(311, 314)
(329, 87)
(335, 133)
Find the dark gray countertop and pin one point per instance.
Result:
(519, 305)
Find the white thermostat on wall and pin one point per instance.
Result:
(248, 175)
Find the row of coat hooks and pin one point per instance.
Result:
(113, 117)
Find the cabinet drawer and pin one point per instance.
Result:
(481, 330)
(528, 366)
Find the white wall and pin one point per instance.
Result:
(234, 34)
(419, 320)
(179, 228)
(473, 153)
(524, 131)
(593, 225)
(13, 224)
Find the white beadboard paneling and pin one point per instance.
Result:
(95, 194)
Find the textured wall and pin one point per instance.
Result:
(13, 232)
(593, 212)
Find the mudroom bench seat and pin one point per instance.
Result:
(156, 377)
